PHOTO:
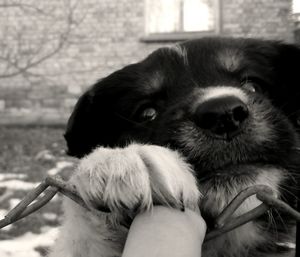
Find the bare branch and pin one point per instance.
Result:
(25, 7)
(16, 62)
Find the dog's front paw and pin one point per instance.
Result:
(135, 178)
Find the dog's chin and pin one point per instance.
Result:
(242, 175)
(230, 171)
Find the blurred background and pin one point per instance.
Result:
(51, 51)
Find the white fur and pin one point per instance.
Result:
(181, 51)
(221, 91)
(141, 174)
(242, 238)
(131, 176)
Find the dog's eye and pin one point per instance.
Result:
(145, 113)
(148, 114)
(251, 86)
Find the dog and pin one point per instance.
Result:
(189, 126)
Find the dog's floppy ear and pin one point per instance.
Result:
(77, 137)
(288, 75)
(288, 69)
(93, 121)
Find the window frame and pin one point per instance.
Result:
(182, 35)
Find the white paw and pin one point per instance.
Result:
(135, 178)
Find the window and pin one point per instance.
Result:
(296, 11)
(296, 6)
(180, 19)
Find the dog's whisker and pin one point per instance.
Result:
(272, 222)
(288, 192)
(283, 223)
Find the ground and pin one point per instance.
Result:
(27, 156)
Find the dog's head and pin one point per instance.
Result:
(230, 106)
(220, 102)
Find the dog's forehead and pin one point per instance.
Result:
(205, 62)
(153, 82)
(229, 58)
(222, 54)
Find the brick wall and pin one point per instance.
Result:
(258, 18)
(86, 40)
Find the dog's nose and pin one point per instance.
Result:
(222, 116)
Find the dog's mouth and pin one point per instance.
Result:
(238, 167)
(221, 155)
(234, 162)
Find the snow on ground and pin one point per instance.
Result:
(5, 176)
(15, 184)
(50, 216)
(59, 167)
(24, 246)
(26, 155)
(15, 181)
(12, 203)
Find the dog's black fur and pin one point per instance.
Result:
(155, 101)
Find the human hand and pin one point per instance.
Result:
(164, 232)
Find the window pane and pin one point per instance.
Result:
(198, 15)
(296, 6)
(164, 16)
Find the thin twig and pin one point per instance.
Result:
(66, 189)
(237, 222)
(238, 200)
(31, 208)
(29, 198)
(278, 204)
(225, 222)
